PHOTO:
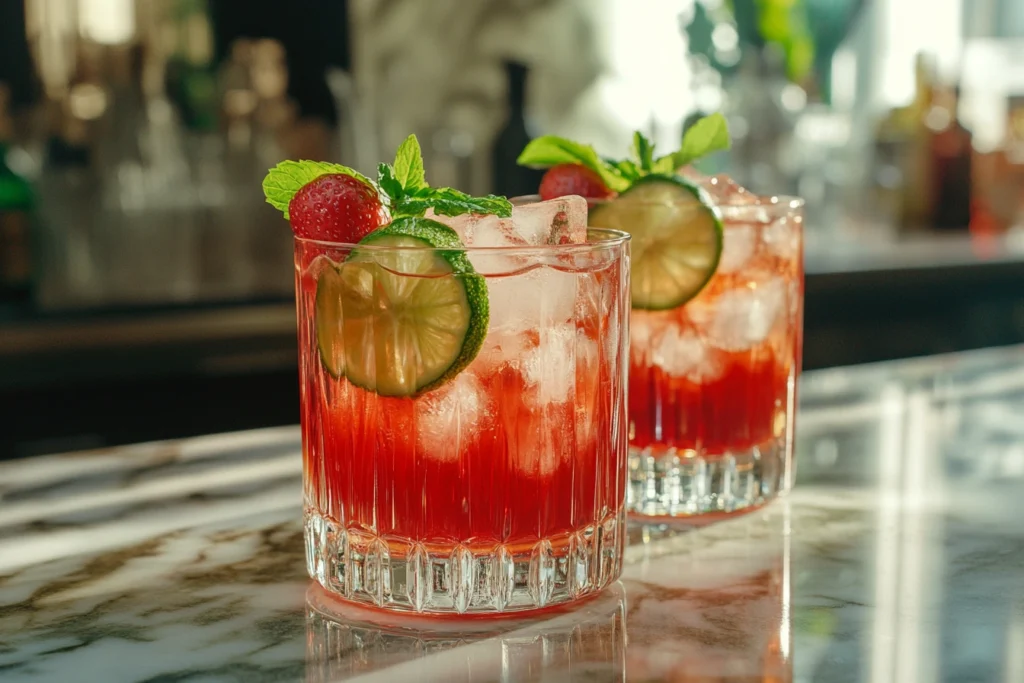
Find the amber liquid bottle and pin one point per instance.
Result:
(903, 173)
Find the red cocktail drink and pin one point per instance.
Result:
(713, 370)
(502, 488)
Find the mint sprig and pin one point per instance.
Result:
(446, 201)
(402, 186)
(708, 135)
(643, 150)
(408, 194)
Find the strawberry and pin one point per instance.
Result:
(566, 179)
(336, 208)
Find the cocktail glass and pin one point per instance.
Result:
(503, 489)
(712, 385)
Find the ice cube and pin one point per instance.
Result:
(521, 307)
(585, 432)
(452, 416)
(742, 318)
(501, 349)
(681, 352)
(794, 301)
(549, 369)
(544, 437)
(782, 237)
(547, 440)
(725, 190)
(526, 293)
(596, 314)
(645, 326)
(733, 200)
(555, 221)
(531, 300)
(473, 229)
(561, 220)
(559, 422)
(739, 242)
(486, 232)
(535, 298)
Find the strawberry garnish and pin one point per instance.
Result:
(576, 168)
(335, 203)
(336, 208)
(567, 179)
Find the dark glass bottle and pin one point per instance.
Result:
(951, 157)
(17, 205)
(509, 178)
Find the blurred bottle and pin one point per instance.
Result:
(191, 73)
(924, 158)
(508, 177)
(77, 107)
(760, 125)
(999, 181)
(950, 161)
(17, 207)
(902, 177)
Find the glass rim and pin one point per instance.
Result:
(774, 203)
(608, 238)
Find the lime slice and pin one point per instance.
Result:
(329, 336)
(404, 315)
(677, 238)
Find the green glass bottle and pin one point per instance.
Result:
(17, 205)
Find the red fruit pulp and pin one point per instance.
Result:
(336, 208)
(568, 179)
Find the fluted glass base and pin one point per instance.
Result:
(410, 576)
(670, 482)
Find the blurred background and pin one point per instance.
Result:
(146, 288)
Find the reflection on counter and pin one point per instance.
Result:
(948, 468)
(689, 610)
(342, 642)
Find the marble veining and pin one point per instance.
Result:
(898, 557)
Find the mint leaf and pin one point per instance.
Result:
(408, 166)
(405, 189)
(406, 177)
(643, 150)
(446, 201)
(450, 202)
(288, 177)
(411, 206)
(664, 165)
(389, 185)
(627, 169)
(551, 150)
(709, 134)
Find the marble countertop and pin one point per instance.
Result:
(898, 557)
